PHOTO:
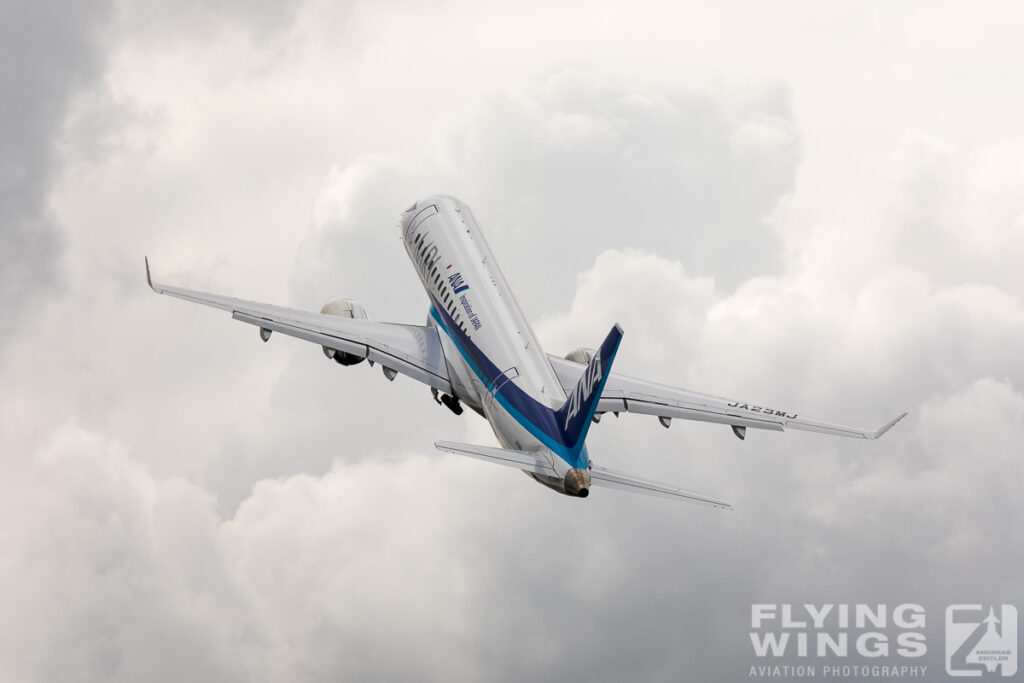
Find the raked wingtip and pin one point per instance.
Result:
(884, 428)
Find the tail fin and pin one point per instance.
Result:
(574, 417)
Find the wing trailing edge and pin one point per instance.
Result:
(520, 460)
(602, 476)
(412, 350)
(623, 393)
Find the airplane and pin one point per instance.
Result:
(478, 350)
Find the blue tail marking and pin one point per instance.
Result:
(574, 417)
(550, 427)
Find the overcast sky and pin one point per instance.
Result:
(814, 205)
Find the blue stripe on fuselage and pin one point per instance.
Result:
(536, 418)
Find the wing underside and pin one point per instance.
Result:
(602, 476)
(633, 395)
(412, 350)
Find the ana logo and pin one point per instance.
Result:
(457, 282)
(583, 389)
(981, 641)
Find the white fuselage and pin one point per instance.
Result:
(494, 360)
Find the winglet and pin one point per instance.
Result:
(886, 427)
(149, 278)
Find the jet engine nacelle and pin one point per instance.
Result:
(346, 308)
(581, 355)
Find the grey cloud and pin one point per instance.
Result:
(354, 251)
(458, 566)
(644, 588)
(585, 166)
(329, 541)
(355, 248)
(49, 52)
(898, 335)
(108, 571)
(330, 576)
(836, 521)
(190, 20)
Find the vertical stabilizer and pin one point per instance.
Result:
(574, 417)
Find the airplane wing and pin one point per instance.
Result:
(412, 350)
(602, 476)
(521, 460)
(633, 395)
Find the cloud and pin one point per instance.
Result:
(317, 577)
(457, 564)
(202, 21)
(686, 174)
(952, 214)
(837, 234)
(113, 574)
(50, 51)
(825, 508)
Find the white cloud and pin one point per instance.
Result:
(111, 574)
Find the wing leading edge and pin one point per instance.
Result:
(633, 395)
(412, 350)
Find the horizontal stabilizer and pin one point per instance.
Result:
(520, 460)
(601, 476)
